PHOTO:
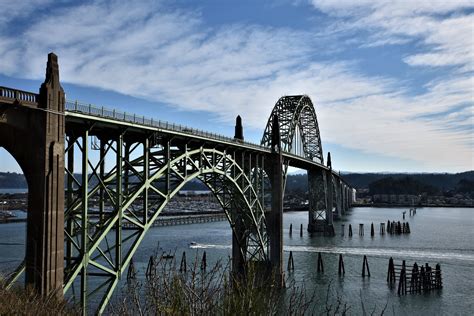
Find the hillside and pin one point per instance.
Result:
(298, 183)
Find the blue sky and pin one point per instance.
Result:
(392, 81)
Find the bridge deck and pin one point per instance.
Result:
(76, 111)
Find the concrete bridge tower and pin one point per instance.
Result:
(32, 131)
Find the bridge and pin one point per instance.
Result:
(98, 179)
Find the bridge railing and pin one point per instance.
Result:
(89, 109)
(19, 95)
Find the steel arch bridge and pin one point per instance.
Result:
(99, 179)
(299, 129)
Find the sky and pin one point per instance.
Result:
(391, 81)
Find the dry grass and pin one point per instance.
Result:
(20, 301)
(213, 292)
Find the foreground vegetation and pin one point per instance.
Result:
(169, 291)
(20, 301)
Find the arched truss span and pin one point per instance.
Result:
(299, 128)
(100, 240)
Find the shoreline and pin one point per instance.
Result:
(381, 205)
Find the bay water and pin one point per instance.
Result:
(438, 235)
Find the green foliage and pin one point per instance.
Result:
(12, 180)
(442, 181)
(405, 185)
(465, 186)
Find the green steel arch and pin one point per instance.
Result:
(101, 243)
(299, 130)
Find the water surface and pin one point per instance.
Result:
(438, 235)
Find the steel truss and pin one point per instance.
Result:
(298, 125)
(300, 136)
(147, 170)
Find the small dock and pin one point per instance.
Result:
(183, 220)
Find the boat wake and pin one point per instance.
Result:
(373, 252)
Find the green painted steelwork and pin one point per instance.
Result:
(135, 191)
(142, 164)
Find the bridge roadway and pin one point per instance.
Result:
(86, 113)
(77, 112)
(140, 164)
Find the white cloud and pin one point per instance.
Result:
(442, 25)
(148, 51)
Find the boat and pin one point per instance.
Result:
(7, 214)
(167, 256)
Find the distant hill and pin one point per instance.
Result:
(429, 182)
(299, 182)
(441, 181)
(12, 180)
(405, 185)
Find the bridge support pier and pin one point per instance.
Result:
(32, 131)
(329, 203)
(319, 221)
(339, 210)
(275, 220)
(238, 249)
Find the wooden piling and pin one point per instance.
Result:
(204, 262)
(402, 282)
(301, 230)
(438, 281)
(361, 229)
(320, 263)
(131, 273)
(382, 228)
(291, 263)
(372, 231)
(350, 230)
(291, 229)
(343, 227)
(151, 268)
(341, 265)
(414, 279)
(365, 264)
(391, 278)
(183, 266)
(423, 279)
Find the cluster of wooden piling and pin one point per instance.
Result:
(341, 269)
(301, 230)
(151, 267)
(422, 279)
(393, 228)
(398, 228)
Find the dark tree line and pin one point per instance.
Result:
(405, 185)
(377, 183)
